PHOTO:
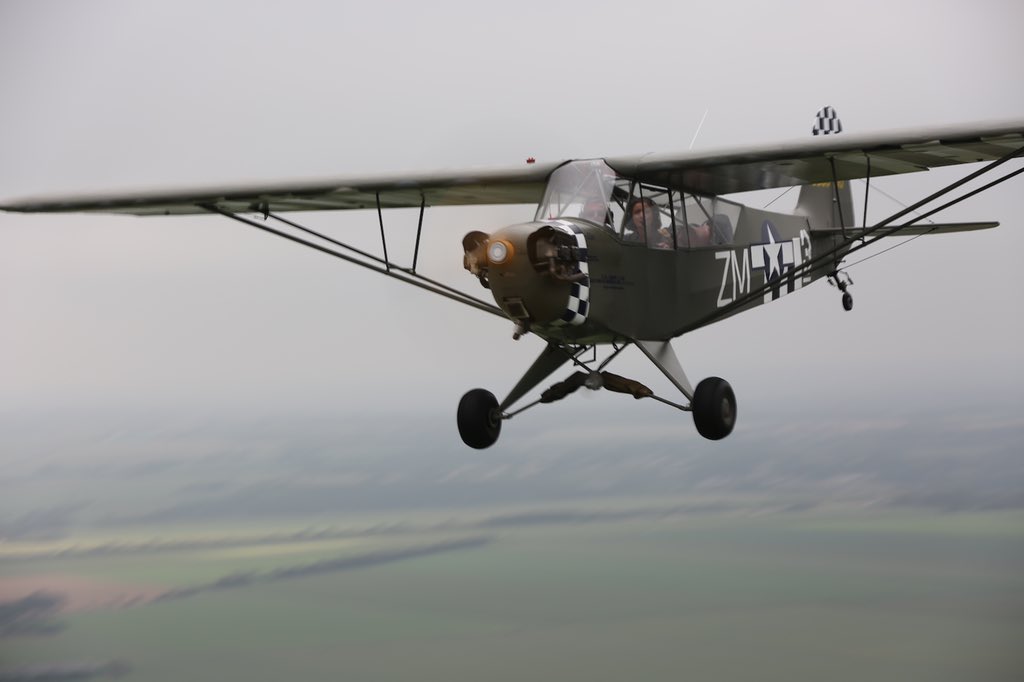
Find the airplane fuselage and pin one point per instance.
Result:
(635, 292)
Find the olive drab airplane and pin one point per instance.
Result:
(631, 251)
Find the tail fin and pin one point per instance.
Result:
(826, 122)
(824, 204)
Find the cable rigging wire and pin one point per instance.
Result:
(889, 248)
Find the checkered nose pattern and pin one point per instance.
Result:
(579, 296)
(826, 122)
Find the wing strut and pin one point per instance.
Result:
(401, 274)
(878, 231)
(383, 241)
(419, 229)
(835, 195)
(383, 261)
(867, 190)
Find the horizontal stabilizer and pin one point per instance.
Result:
(937, 228)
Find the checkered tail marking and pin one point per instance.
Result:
(827, 122)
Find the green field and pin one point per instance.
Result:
(846, 596)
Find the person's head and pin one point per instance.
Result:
(700, 235)
(644, 213)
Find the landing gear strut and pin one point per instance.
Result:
(713, 403)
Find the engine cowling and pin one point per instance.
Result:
(530, 268)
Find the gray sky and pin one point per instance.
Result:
(204, 314)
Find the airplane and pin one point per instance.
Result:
(625, 251)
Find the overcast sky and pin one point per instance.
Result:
(204, 314)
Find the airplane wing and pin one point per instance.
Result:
(811, 161)
(714, 172)
(520, 185)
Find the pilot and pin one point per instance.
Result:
(644, 225)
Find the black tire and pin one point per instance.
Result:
(847, 301)
(714, 408)
(479, 419)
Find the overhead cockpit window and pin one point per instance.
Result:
(585, 189)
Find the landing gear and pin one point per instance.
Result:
(479, 419)
(714, 408)
(842, 280)
(713, 403)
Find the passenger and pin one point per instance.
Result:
(717, 230)
(700, 235)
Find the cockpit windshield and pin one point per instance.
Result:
(585, 189)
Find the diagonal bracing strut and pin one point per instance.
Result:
(401, 275)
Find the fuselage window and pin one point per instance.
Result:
(650, 217)
(710, 221)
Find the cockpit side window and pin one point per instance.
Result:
(650, 217)
(710, 221)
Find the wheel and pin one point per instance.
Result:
(479, 419)
(847, 301)
(714, 408)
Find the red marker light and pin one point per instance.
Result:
(531, 160)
